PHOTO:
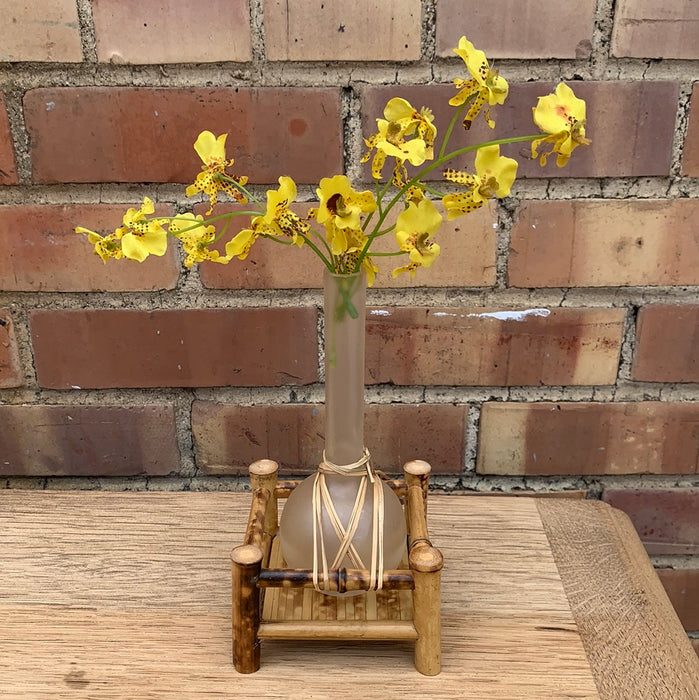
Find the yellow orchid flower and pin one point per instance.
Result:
(338, 238)
(413, 230)
(142, 237)
(370, 269)
(342, 205)
(485, 85)
(239, 246)
(195, 238)
(494, 177)
(106, 247)
(401, 120)
(354, 241)
(400, 111)
(278, 219)
(213, 179)
(562, 116)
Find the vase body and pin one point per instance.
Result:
(344, 332)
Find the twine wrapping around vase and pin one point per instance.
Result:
(322, 500)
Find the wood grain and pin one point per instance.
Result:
(621, 609)
(117, 595)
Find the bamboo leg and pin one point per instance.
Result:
(263, 475)
(246, 563)
(417, 473)
(426, 564)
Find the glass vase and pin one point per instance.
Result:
(344, 331)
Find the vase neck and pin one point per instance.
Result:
(344, 309)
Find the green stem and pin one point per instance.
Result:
(389, 255)
(309, 243)
(204, 222)
(323, 240)
(318, 252)
(224, 231)
(451, 126)
(431, 190)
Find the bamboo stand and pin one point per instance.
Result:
(271, 602)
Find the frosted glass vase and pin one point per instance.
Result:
(344, 319)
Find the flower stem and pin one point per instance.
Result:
(318, 252)
(451, 126)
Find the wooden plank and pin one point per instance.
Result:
(128, 595)
(607, 575)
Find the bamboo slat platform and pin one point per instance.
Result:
(127, 595)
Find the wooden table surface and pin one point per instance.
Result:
(127, 595)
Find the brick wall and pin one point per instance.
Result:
(149, 376)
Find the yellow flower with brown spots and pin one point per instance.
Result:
(278, 219)
(105, 246)
(213, 177)
(404, 134)
(142, 236)
(485, 84)
(494, 177)
(562, 116)
(138, 238)
(340, 210)
(239, 246)
(354, 240)
(414, 229)
(195, 238)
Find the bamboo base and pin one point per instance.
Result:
(273, 602)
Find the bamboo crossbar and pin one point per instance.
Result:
(339, 580)
(331, 629)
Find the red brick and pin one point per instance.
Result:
(189, 348)
(128, 31)
(467, 259)
(10, 370)
(666, 344)
(40, 31)
(589, 438)
(228, 438)
(457, 346)
(371, 30)
(102, 134)
(41, 251)
(8, 171)
(682, 588)
(519, 31)
(620, 115)
(88, 440)
(667, 520)
(588, 243)
(656, 29)
(690, 153)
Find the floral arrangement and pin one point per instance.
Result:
(344, 225)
